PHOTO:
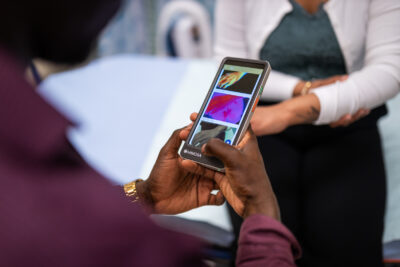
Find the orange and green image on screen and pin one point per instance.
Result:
(230, 78)
(238, 79)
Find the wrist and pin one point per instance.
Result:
(297, 89)
(289, 112)
(268, 207)
(301, 110)
(144, 193)
(303, 88)
(286, 112)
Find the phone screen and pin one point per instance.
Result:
(228, 103)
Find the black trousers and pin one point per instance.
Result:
(330, 185)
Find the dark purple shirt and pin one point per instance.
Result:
(57, 211)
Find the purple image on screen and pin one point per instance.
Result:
(227, 108)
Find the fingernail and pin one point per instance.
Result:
(203, 148)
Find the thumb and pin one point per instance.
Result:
(174, 142)
(229, 155)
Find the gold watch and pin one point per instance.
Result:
(130, 190)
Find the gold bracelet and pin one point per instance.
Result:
(130, 190)
(306, 88)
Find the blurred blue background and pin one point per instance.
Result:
(133, 30)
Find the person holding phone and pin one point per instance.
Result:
(334, 63)
(57, 211)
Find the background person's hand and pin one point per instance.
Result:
(170, 188)
(348, 119)
(318, 83)
(276, 118)
(268, 120)
(327, 81)
(303, 109)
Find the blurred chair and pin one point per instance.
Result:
(390, 133)
(392, 254)
(130, 31)
(184, 30)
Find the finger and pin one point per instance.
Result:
(216, 186)
(337, 123)
(337, 78)
(197, 169)
(193, 116)
(248, 139)
(345, 119)
(349, 120)
(229, 155)
(217, 199)
(334, 124)
(358, 115)
(315, 84)
(327, 81)
(173, 143)
(185, 132)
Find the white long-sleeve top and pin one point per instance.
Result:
(368, 32)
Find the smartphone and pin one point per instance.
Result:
(227, 109)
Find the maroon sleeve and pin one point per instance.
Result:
(82, 220)
(57, 211)
(264, 241)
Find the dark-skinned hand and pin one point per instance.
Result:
(172, 189)
(177, 185)
(245, 184)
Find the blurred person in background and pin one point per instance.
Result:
(335, 64)
(57, 211)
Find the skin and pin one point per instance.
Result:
(171, 188)
(299, 110)
(346, 119)
(245, 178)
(276, 118)
(311, 6)
(176, 185)
(229, 79)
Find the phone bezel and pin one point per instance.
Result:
(214, 163)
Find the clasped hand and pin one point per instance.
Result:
(301, 109)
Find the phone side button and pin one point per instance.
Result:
(255, 104)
